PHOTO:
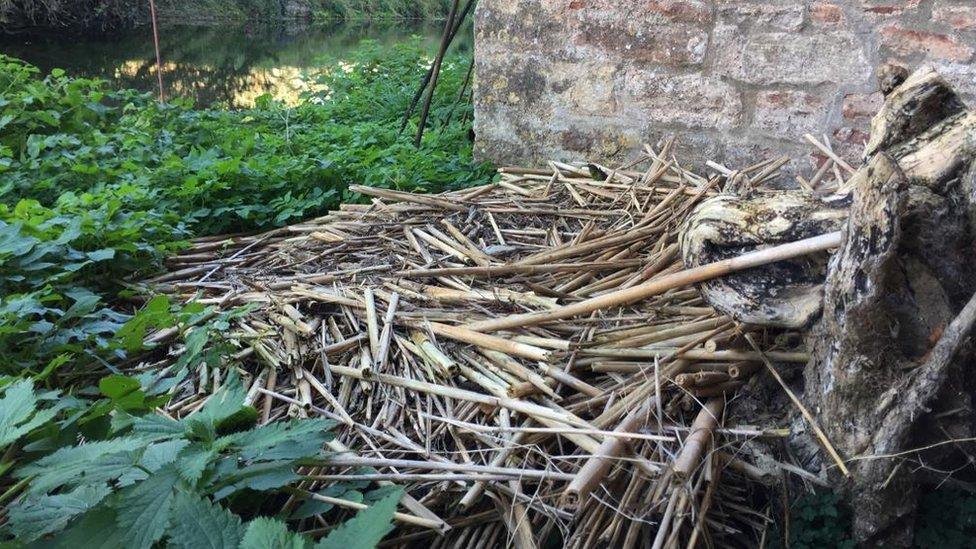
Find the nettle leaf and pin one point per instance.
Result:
(366, 529)
(194, 461)
(222, 404)
(156, 314)
(266, 533)
(284, 440)
(196, 523)
(261, 476)
(37, 516)
(18, 412)
(144, 510)
(311, 507)
(157, 427)
(76, 465)
(95, 530)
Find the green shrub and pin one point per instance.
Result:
(99, 185)
(946, 520)
(817, 520)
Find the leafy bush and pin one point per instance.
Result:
(153, 478)
(817, 520)
(946, 520)
(99, 185)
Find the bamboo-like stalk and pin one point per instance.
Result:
(655, 287)
(701, 433)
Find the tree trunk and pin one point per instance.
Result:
(885, 352)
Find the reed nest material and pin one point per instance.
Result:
(530, 359)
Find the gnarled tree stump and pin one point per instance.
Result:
(906, 269)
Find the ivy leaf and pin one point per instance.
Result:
(366, 529)
(266, 533)
(198, 524)
(37, 516)
(144, 510)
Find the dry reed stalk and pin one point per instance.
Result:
(365, 316)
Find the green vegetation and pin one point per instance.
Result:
(817, 520)
(352, 10)
(96, 187)
(100, 15)
(946, 520)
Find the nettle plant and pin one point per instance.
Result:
(153, 480)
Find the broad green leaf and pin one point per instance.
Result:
(155, 314)
(366, 529)
(293, 439)
(143, 510)
(198, 524)
(36, 516)
(266, 533)
(116, 386)
(94, 530)
(194, 461)
(16, 406)
(75, 465)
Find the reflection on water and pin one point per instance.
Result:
(210, 65)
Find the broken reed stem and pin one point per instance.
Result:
(656, 287)
(701, 434)
(598, 465)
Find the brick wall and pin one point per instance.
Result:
(735, 80)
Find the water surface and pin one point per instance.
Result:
(227, 65)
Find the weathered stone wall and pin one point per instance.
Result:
(734, 80)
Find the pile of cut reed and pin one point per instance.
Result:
(529, 359)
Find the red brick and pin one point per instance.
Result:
(826, 13)
(889, 8)
(908, 41)
(959, 17)
(859, 106)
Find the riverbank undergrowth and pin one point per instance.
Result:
(97, 186)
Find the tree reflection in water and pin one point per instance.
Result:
(212, 65)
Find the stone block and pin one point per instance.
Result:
(790, 58)
(861, 107)
(762, 15)
(585, 88)
(642, 38)
(789, 113)
(691, 100)
(958, 17)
